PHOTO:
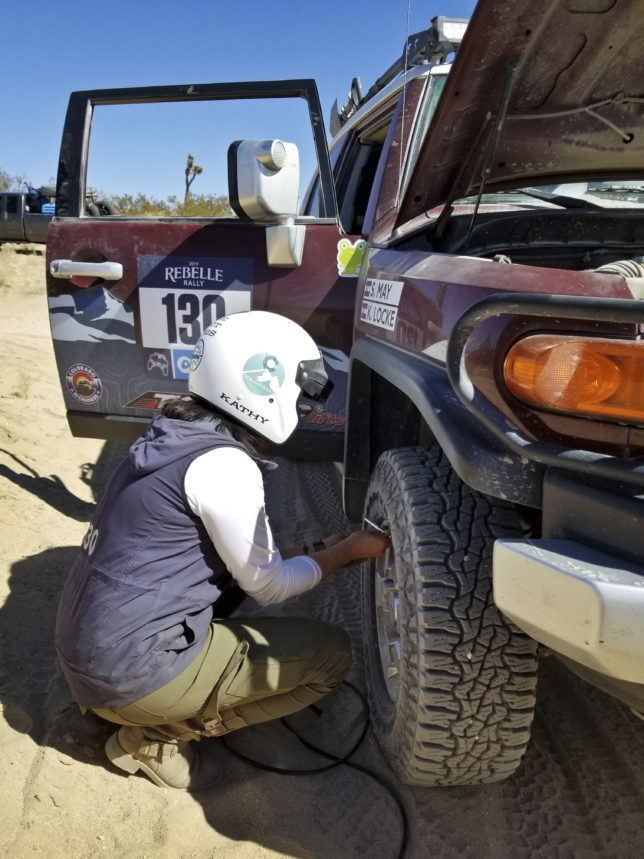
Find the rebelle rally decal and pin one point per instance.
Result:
(380, 302)
(179, 297)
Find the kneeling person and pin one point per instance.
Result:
(143, 632)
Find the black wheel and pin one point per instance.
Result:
(451, 682)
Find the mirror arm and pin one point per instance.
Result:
(285, 243)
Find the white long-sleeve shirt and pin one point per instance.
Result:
(224, 487)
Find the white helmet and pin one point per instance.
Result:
(253, 366)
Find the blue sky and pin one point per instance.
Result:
(52, 47)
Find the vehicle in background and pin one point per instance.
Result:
(468, 256)
(25, 215)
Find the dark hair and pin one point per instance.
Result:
(192, 408)
(186, 409)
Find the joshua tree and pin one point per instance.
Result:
(192, 170)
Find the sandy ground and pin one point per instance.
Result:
(579, 792)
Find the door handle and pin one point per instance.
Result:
(65, 268)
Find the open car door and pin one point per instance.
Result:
(131, 292)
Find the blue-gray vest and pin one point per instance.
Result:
(137, 604)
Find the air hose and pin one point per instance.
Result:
(335, 761)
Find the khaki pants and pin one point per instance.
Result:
(251, 670)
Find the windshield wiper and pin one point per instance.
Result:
(566, 201)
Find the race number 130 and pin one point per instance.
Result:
(188, 314)
(175, 318)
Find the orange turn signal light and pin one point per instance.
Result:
(589, 376)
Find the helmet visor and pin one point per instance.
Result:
(312, 379)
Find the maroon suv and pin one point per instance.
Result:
(468, 255)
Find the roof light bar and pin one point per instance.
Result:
(431, 46)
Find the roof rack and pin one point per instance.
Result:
(427, 47)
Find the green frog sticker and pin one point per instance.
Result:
(350, 257)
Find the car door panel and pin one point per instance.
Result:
(123, 344)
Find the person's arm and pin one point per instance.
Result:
(357, 546)
(342, 550)
(224, 487)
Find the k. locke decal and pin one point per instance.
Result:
(380, 302)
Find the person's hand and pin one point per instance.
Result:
(353, 549)
(367, 544)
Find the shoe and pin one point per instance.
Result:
(175, 764)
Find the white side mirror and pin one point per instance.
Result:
(264, 185)
(263, 179)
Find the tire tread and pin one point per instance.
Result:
(469, 676)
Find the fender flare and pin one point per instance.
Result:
(477, 455)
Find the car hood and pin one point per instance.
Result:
(538, 93)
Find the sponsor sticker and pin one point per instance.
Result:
(304, 410)
(263, 374)
(329, 419)
(349, 257)
(380, 302)
(197, 355)
(154, 400)
(181, 359)
(316, 415)
(168, 363)
(83, 384)
(158, 363)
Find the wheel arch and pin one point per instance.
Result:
(385, 382)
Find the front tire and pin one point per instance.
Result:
(451, 682)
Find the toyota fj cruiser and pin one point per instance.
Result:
(472, 240)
